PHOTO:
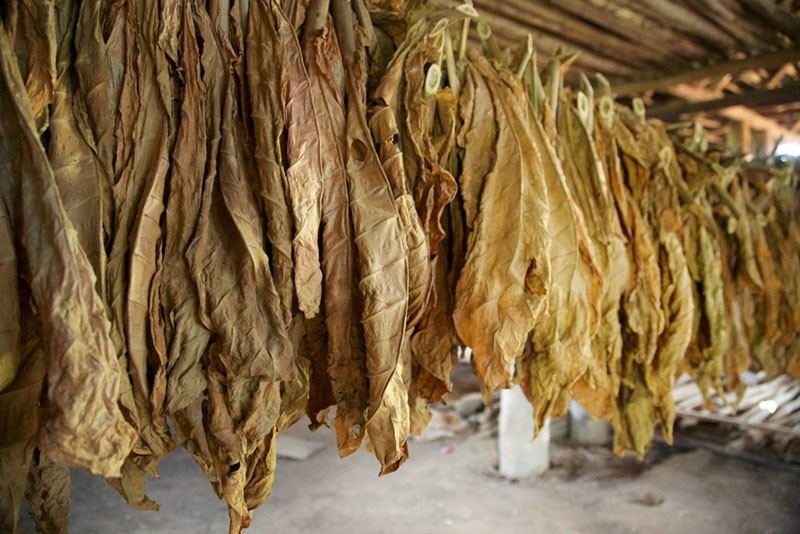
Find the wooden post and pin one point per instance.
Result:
(738, 137)
(760, 144)
(520, 455)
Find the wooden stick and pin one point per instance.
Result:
(316, 17)
(635, 27)
(343, 22)
(366, 22)
(573, 31)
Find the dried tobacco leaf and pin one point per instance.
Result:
(241, 307)
(385, 127)
(20, 419)
(346, 357)
(75, 167)
(480, 135)
(94, 108)
(185, 335)
(82, 426)
(586, 176)
(431, 185)
(134, 265)
(303, 173)
(266, 96)
(48, 494)
(501, 294)
(561, 350)
(383, 276)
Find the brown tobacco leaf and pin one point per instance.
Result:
(383, 273)
(71, 313)
(561, 343)
(32, 34)
(94, 108)
(587, 175)
(187, 379)
(134, 265)
(266, 76)
(705, 262)
(346, 357)
(385, 127)
(241, 307)
(676, 286)
(186, 337)
(434, 344)
(303, 172)
(10, 303)
(75, 166)
(313, 381)
(20, 419)
(501, 294)
(678, 308)
(431, 185)
(48, 494)
(478, 132)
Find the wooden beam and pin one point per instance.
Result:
(768, 61)
(752, 99)
(751, 118)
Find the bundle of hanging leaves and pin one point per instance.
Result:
(223, 216)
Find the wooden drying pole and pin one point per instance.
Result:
(769, 61)
(752, 99)
(739, 113)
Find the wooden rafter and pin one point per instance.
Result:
(752, 119)
(769, 61)
(752, 99)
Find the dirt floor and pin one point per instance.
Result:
(450, 486)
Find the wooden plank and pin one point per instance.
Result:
(768, 61)
(752, 99)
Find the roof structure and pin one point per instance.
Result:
(731, 64)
